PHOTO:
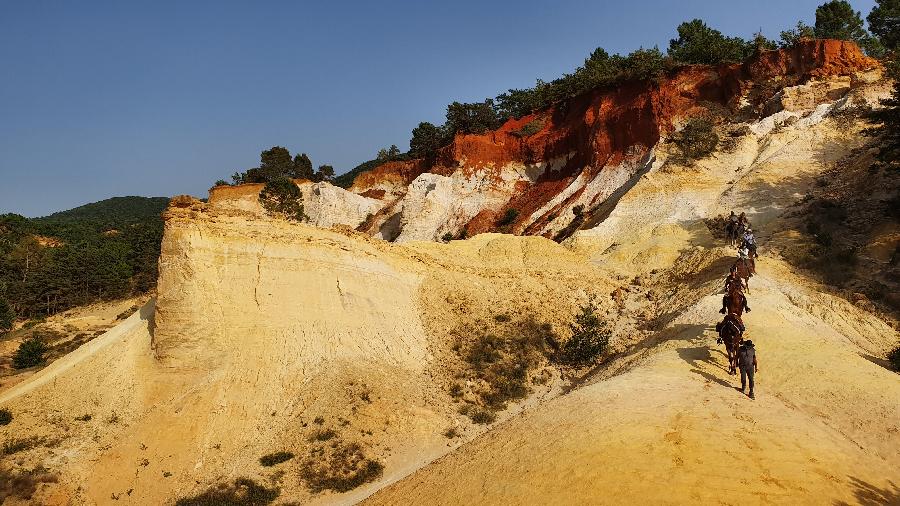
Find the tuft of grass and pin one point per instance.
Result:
(339, 467)
(5, 416)
(83, 418)
(241, 492)
(323, 435)
(14, 446)
(451, 433)
(275, 458)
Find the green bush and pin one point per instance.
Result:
(30, 353)
(242, 492)
(282, 197)
(5, 416)
(590, 337)
(695, 141)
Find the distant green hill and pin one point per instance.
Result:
(103, 250)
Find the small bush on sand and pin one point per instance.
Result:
(30, 353)
(22, 484)
(5, 416)
(242, 492)
(894, 358)
(481, 416)
(590, 337)
(695, 141)
(340, 467)
(275, 458)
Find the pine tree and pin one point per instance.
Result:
(884, 21)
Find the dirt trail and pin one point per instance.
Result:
(672, 428)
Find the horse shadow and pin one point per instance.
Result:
(702, 355)
(868, 494)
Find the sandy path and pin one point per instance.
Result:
(824, 426)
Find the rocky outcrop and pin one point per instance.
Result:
(546, 173)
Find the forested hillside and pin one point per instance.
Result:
(98, 251)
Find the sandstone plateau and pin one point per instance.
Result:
(265, 332)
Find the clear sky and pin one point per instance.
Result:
(158, 98)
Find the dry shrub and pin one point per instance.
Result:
(14, 446)
(500, 364)
(275, 458)
(5, 416)
(339, 466)
(22, 484)
(242, 492)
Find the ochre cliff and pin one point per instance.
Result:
(561, 171)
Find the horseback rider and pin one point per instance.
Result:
(724, 309)
(748, 241)
(733, 281)
(731, 224)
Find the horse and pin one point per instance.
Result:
(732, 334)
(744, 269)
(734, 302)
(731, 232)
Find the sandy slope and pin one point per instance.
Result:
(264, 326)
(674, 429)
(671, 428)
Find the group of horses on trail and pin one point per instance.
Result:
(734, 303)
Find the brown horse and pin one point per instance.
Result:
(744, 268)
(734, 302)
(732, 334)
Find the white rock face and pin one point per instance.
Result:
(326, 205)
(436, 204)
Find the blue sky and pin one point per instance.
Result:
(101, 99)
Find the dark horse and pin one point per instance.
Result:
(731, 232)
(731, 332)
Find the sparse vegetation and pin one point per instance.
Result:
(275, 458)
(447, 237)
(697, 140)
(339, 466)
(323, 435)
(498, 364)
(590, 337)
(22, 484)
(83, 418)
(30, 353)
(5, 416)
(532, 127)
(241, 492)
(14, 446)
(451, 433)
